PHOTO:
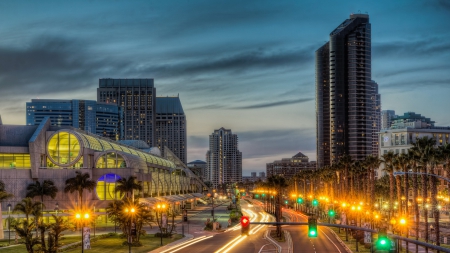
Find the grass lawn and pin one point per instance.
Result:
(113, 244)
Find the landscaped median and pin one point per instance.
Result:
(113, 242)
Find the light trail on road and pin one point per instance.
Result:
(187, 244)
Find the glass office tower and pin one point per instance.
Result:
(88, 115)
(136, 98)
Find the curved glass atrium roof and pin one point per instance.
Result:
(98, 144)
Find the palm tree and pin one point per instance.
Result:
(128, 186)
(28, 207)
(413, 163)
(3, 196)
(47, 188)
(372, 163)
(79, 183)
(25, 230)
(388, 160)
(346, 162)
(278, 183)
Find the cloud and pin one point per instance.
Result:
(411, 48)
(272, 104)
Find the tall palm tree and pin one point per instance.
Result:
(127, 186)
(372, 163)
(47, 188)
(278, 183)
(346, 162)
(4, 195)
(79, 183)
(413, 159)
(388, 160)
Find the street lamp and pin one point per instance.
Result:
(130, 212)
(81, 218)
(160, 208)
(9, 223)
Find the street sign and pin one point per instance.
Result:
(367, 235)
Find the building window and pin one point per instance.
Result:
(106, 187)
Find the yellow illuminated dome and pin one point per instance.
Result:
(64, 149)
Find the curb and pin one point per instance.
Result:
(272, 241)
(340, 241)
(288, 237)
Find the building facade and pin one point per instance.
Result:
(136, 98)
(98, 118)
(376, 125)
(387, 116)
(289, 167)
(32, 153)
(345, 94)
(224, 160)
(171, 126)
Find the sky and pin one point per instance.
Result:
(247, 66)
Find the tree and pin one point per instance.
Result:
(3, 196)
(278, 183)
(28, 207)
(47, 188)
(388, 160)
(79, 183)
(128, 186)
(25, 230)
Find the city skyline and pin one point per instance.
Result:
(246, 67)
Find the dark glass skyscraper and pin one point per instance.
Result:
(136, 97)
(345, 94)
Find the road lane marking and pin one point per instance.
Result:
(189, 244)
(226, 245)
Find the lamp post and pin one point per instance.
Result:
(130, 212)
(160, 208)
(94, 220)
(81, 218)
(56, 209)
(9, 223)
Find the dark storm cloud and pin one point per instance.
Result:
(255, 144)
(272, 104)
(412, 48)
(442, 4)
(206, 107)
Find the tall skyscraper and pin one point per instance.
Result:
(224, 160)
(345, 96)
(376, 125)
(387, 116)
(88, 115)
(171, 126)
(136, 97)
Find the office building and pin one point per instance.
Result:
(98, 118)
(171, 126)
(136, 98)
(224, 160)
(345, 94)
(412, 120)
(386, 118)
(289, 167)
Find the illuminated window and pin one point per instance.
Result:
(64, 149)
(106, 187)
(111, 160)
(15, 161)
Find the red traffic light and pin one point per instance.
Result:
(245, 221)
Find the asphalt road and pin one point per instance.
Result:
(231, 240)
(325, 242)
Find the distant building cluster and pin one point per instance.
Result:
(289, 167)
(254, 177)
(126, 109)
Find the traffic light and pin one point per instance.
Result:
(331, 213)
(245, 225)
(315, 202)
(312, 227)
(286, 202)
(383, 242)
(300, 200)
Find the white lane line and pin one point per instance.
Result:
(331, 241)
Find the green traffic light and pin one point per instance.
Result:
(312, 232)
(312, 227)
(315, 202)
(383, 242)
(286, 202)
(300, 200)
(331, 213)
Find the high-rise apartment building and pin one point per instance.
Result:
(136, 97)
(386, 118)
(224, 160)
(88, 115)
(171, 126)
(376, 125)
(345, 93)
(289, 167)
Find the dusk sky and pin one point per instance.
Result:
(247, 66)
